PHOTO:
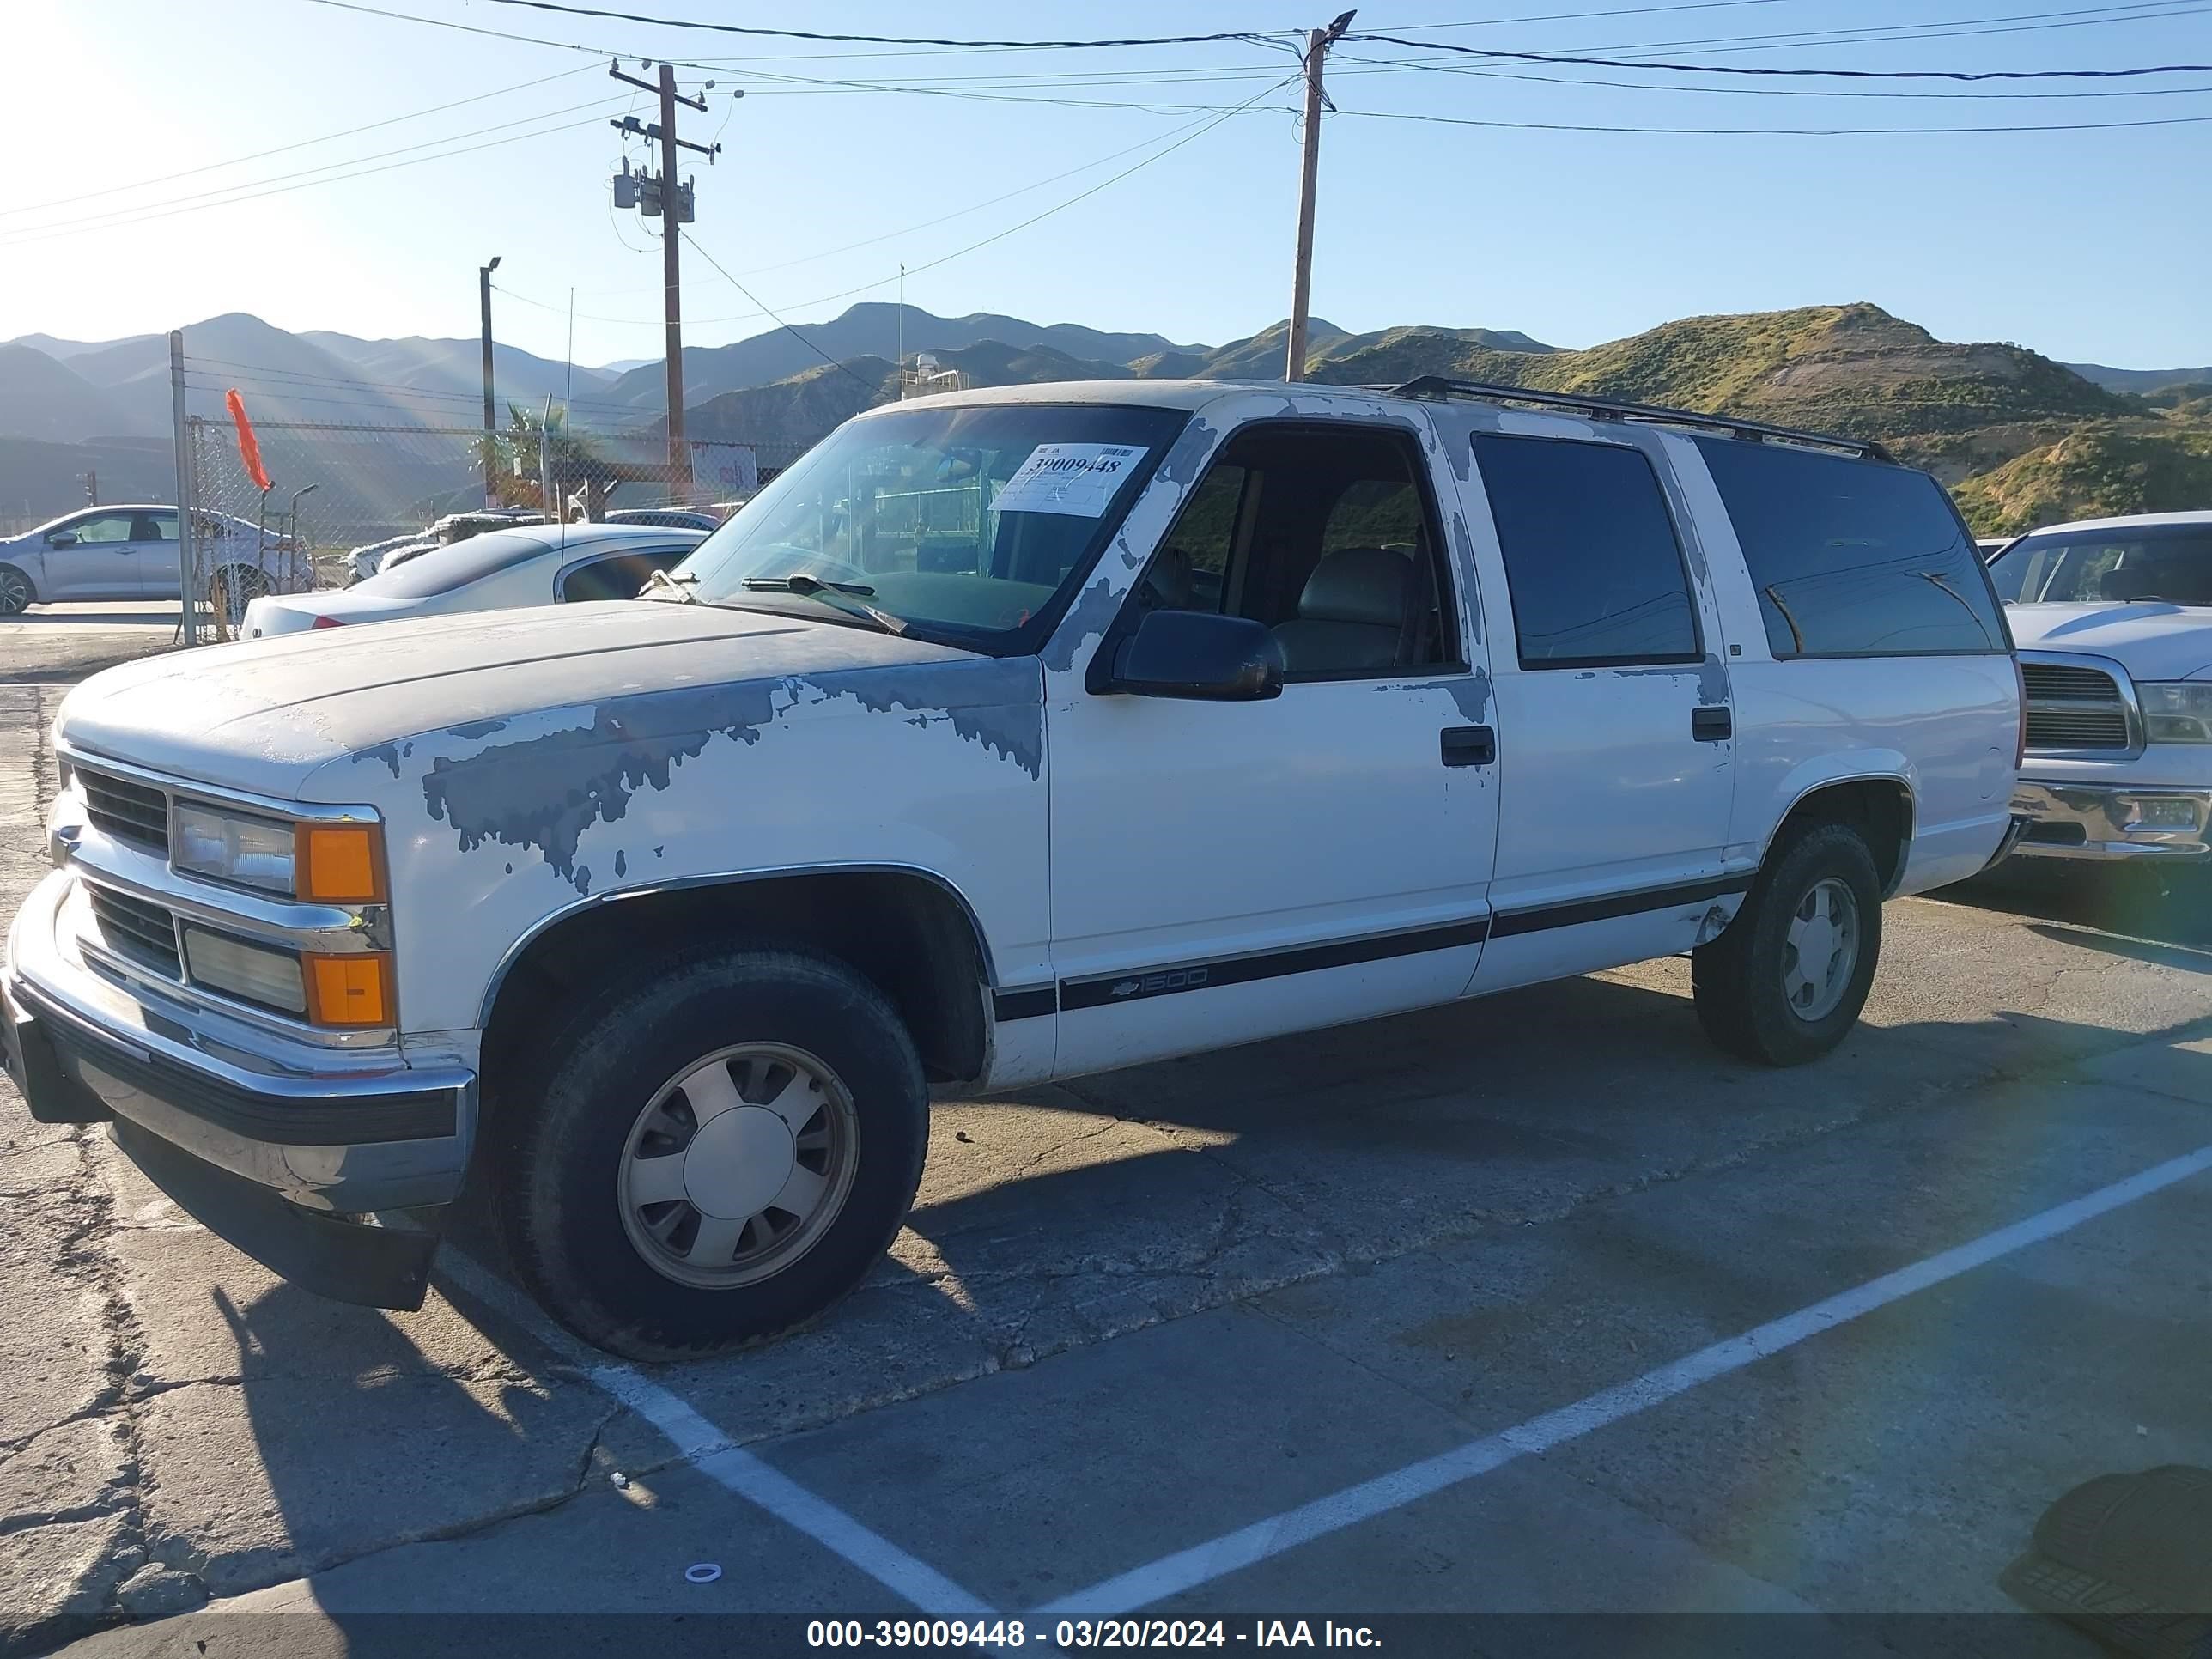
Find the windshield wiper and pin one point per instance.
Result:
(679, 586)
(833, 594)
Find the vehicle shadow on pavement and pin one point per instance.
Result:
(2173, 907)
(280, 1434)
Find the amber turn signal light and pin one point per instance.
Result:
(355, 989)
(338, 863)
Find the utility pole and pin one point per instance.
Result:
(491, 416)
(674, 203)
(1318, 41)
(187, 526)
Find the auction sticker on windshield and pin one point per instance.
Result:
(1077, 479)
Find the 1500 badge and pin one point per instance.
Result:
(1152, 984)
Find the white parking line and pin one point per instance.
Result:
(712, 1450)
(1187, 1569)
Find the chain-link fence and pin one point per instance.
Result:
(332, 488)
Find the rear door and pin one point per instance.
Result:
(1616, 751)
(153, 555)
(1223, 872)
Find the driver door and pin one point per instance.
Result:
(1227, 870)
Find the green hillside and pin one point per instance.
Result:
(2097, 469)
(1851, 368)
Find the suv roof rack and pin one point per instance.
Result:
(1610, 409)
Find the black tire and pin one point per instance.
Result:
(1737, 979)
(17, 595)
(557, 1138)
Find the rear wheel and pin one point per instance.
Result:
(713, 1158)
(1785, 982)
(16, 593)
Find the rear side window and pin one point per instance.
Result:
(1853, 558)
(1591, 557)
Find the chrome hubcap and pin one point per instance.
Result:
(1820, 949)
(737, 1165)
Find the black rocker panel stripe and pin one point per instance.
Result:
(1103, 990)
(1022, 1002)
(1108, 988)
(1615, 904)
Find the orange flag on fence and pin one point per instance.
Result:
(249, 446)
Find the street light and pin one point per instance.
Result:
(491, 422)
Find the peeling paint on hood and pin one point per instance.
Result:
(266, 714)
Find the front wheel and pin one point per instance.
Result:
(1785, 982)
(714, 1158)
(16, 594)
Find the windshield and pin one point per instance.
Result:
(971, 524)
(2101, 567)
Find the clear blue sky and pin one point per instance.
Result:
(2085, 244)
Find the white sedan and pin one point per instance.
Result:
(535, 564)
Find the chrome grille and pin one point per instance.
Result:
(136, 931)
(2071, 706)
(129, 811)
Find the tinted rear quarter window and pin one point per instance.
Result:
(1853, 558)
(1591, 559)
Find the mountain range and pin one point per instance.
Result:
(2019, 436)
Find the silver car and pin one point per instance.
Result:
(130, 552)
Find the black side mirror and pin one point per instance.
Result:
(62, 539)
(1197, 654)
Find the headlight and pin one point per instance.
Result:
(329, 863)
(252, 852)
(2177, 711)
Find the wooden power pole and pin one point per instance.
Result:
(671, 277)
(1318, 42)
(673, 199)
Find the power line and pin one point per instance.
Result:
(1190, 137)
(794, 333)
(1781, 92)
(1938, 29)
(252, 188)
(1576, 16)
(1495, 54)
(303, 143)
(942, 218)
(884, 39)
(1766, 132)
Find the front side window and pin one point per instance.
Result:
(1853, 558)
(1591, 560)
(1325, 535)
(2107, 567)
(972, 526)
(100, 527)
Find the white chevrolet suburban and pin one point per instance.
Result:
(2114, 619)
(1010, 735)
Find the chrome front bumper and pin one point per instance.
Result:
(2111, 821)
(266, 1152)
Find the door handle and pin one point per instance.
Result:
(1469, 745)
(1712, 724)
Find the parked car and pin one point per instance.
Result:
(2114, 620)
(366, 561)
(130, 552)
(668, 518)
(1010, 735)
(541, 564)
